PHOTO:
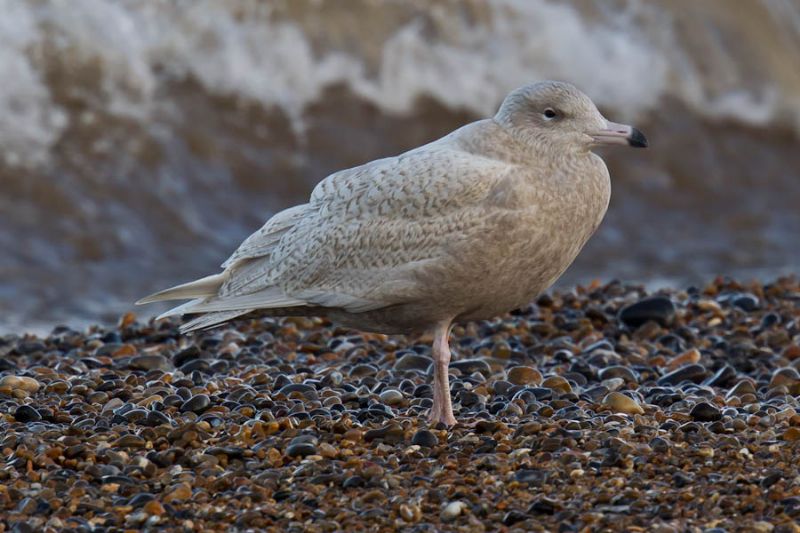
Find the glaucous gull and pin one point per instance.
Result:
(467, 227)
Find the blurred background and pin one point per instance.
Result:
(140, 141)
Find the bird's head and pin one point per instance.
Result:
(557, 113)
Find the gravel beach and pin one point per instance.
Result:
(604, 408)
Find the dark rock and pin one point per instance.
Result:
(512, 517)
(694, 373)
(140, 499)
(468, 366)
(721, 377)
(307, 391)
(659, 309)
(413, 361)
(26, 413)
(746, 302)
(301, 449)
(425, 438)
(705, 412)
(391, 433)
(196, 404)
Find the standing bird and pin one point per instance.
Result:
(468, 227)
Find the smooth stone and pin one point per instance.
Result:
(391, 397)
(792, 434)
(468, 366)
(524, 375)
(305, 390)
(26, 413)
(391, 433)
(694, 373)
(659, 445)
(721, 377)
(129, 441)
(787, 376)
(613, 383)
(150, 362)
(452, 510)
(746, 302)
(362, 370)
(196, 404)
(745, 386)
(618, 371)
(413, 361)
(557, 383)
(156, 418)
(659, 309)
(110, 405)
(686, 358)
(354, 481)
(425, 438)
(621, 403)
(24, 383)
(184, 356)
(705, 412)
(140, 499)
(301, 449)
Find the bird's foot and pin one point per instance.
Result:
(441, 416)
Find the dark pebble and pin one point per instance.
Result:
(468, 366)
(26, 413)
(301, 449)
(512, 517)
(413, 361)
(694, 373)
(659, 309)
(746, 302)
(721, 377)
(140, 499)
(618, 371)
(705, 412)
(196, 404)
(391, 433)
(425, 438)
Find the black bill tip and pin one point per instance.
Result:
(637, 139)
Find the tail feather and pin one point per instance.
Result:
(207, 286)
(211, 319)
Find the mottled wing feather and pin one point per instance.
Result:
(367, 231)
(262, 241)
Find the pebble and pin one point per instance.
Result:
(150, 362)
(301, 449)
(392, 397)
(468, 366)
(618, 371)
(424, 438)
(196, 404)
(621, 403)
(694, 373)
(524, 375)
(23, 383)
(659, 309)
(26, 413)
(278, 424)
(705, 412)
(412, 361)
(686, 358)
(453, 510)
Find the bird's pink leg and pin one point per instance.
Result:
(442, 410)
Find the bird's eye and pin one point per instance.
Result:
(549, 113)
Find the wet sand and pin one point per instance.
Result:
(596, 409)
